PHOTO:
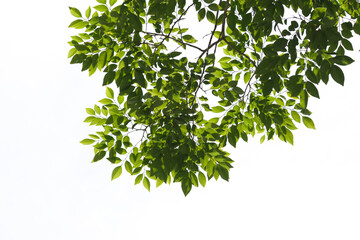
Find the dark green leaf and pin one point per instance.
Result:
(337, 74)
(98, 156)
(189, 39)
(135, 22)
(201, 14)
(224, 173)
(312, 90)
(210, 17)
(342, 60)
(139, 78)
(186, 186)
(232, 139)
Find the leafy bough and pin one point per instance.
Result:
(172, 115)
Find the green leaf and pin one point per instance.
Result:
(88, 12)
(342, 60)
(158, 182)
(128, 167)
(312, 90)
(295, 116)
(109, 78)
(101, 1)
(337, 74)
(109, 93)
(186, 186)
(120, 99)
(72, 52)
(112, 2)
(90, 111)
(97, 109)
(232, 139)
(201, 14)
(101, 8)
(202, 179)
(357, 27)
(98, 156)
(194, 179)
(218, 109)
(116, 173)
(347, 44)
(106, 101)
(138, 179)
(94, 136)
(87, 141)
(308, 122)
(318, 12)
(75, 12)
(224, 173)
(213, 7)
(139, 78)
(210, 17)
(146, 183)
(78, 24)
(244, 136)
(102, 60)
(189, 39)
(262, 139)
(247, 77)
(135, 22)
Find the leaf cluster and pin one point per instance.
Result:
(171, 116)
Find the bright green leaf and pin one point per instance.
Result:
(308, 122)
(101, 8)
(146, 183)
(218, 109)
(87, 141)
(116, 172)
(88, 12)
(75, 12)
(138, 178)
(202, 179)
(106, 101)
(109, 93)
(90, 111)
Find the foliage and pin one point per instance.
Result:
(172, 115)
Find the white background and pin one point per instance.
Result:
(50, 190)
